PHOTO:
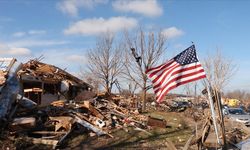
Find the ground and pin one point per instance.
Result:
(179, 129)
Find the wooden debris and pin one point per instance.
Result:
(92, 109)
(156, 122)
(58, 103)
(78, 105)
(2, 77)
(49, 132)
(53, 143)
(64, 122)
(23, 123)
(89, 125)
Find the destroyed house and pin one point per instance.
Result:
(44, 83)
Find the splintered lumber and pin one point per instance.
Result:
(9, 91)
(113, 106)
(65, 136)
(2, 77)
(49, 132)
(23, 123)
(92, 109)
(59, 103)
(89, 125)
(51, 73)
(53, 143)
(62, 122)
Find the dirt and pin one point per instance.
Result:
(177, 131)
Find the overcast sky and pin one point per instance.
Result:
(62, 30)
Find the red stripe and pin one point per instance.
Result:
(179, 72)
(176, 72)
(154, 68)
(159, 68)
(159, 99)
(178, 78)
(164, 71)
(161, 71)
(162, 80)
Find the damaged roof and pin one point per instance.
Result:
(50, 73)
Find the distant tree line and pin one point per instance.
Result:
(242, 95)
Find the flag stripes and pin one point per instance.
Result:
(180, 70)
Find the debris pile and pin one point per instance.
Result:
(72, 106)
(54, 123)
(43, 104)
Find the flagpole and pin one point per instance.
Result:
(213, 112)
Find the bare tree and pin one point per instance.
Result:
(191, 89)
(90, 79)
(219, 70)
(147, 48)
(238, 94)
(104, 61)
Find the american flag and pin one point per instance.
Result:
(183, 68)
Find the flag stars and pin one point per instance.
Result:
(188, 56)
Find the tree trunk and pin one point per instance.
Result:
(107, 89)
(144, 96)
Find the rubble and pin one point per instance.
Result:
(156, 122)
(22, 123)
(49, 104)
(44, 104)
(55, 122)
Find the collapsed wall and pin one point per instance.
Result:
(34, 83)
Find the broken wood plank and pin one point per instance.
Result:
(92, 109)
(53, 143)
(88, 125)
(58, 103)
(23, 123)
(2, 77)
(65, 136)
(62, 122)
(49, 132)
